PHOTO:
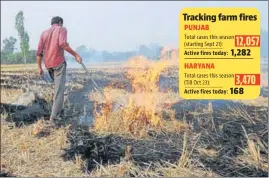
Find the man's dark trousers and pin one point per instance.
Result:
(58, 74)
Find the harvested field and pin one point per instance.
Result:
(140, 128)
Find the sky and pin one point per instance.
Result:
(111, 26)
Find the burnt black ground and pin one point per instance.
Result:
(227, 138)
(225, 135)
(6, 175)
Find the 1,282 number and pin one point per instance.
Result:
(240, 52)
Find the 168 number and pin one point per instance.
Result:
(237, 91)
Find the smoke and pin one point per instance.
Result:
(73, 64)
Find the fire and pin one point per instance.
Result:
(139, 114)
(144, 75)
(129, 119)
(39, 127)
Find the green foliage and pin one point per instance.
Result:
(23, 35)
(17, 57)
(14, 58)
(7, 54)
(19, 23)
(9, 45)
(25, 46)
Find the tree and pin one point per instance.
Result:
(8, 49)
(24, 37)
(9, 45)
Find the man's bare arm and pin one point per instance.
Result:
(63, 44)
(73, 53)
(38, 61)
(39, 55)
(70, 50)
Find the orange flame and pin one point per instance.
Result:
(140, 112)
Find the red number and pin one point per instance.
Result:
(247, 79)
(247, 40)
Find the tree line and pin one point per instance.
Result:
(24, 55)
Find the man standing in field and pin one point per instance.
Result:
(52, 44)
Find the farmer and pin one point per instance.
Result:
(52, 44)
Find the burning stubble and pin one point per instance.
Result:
(139, 113)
